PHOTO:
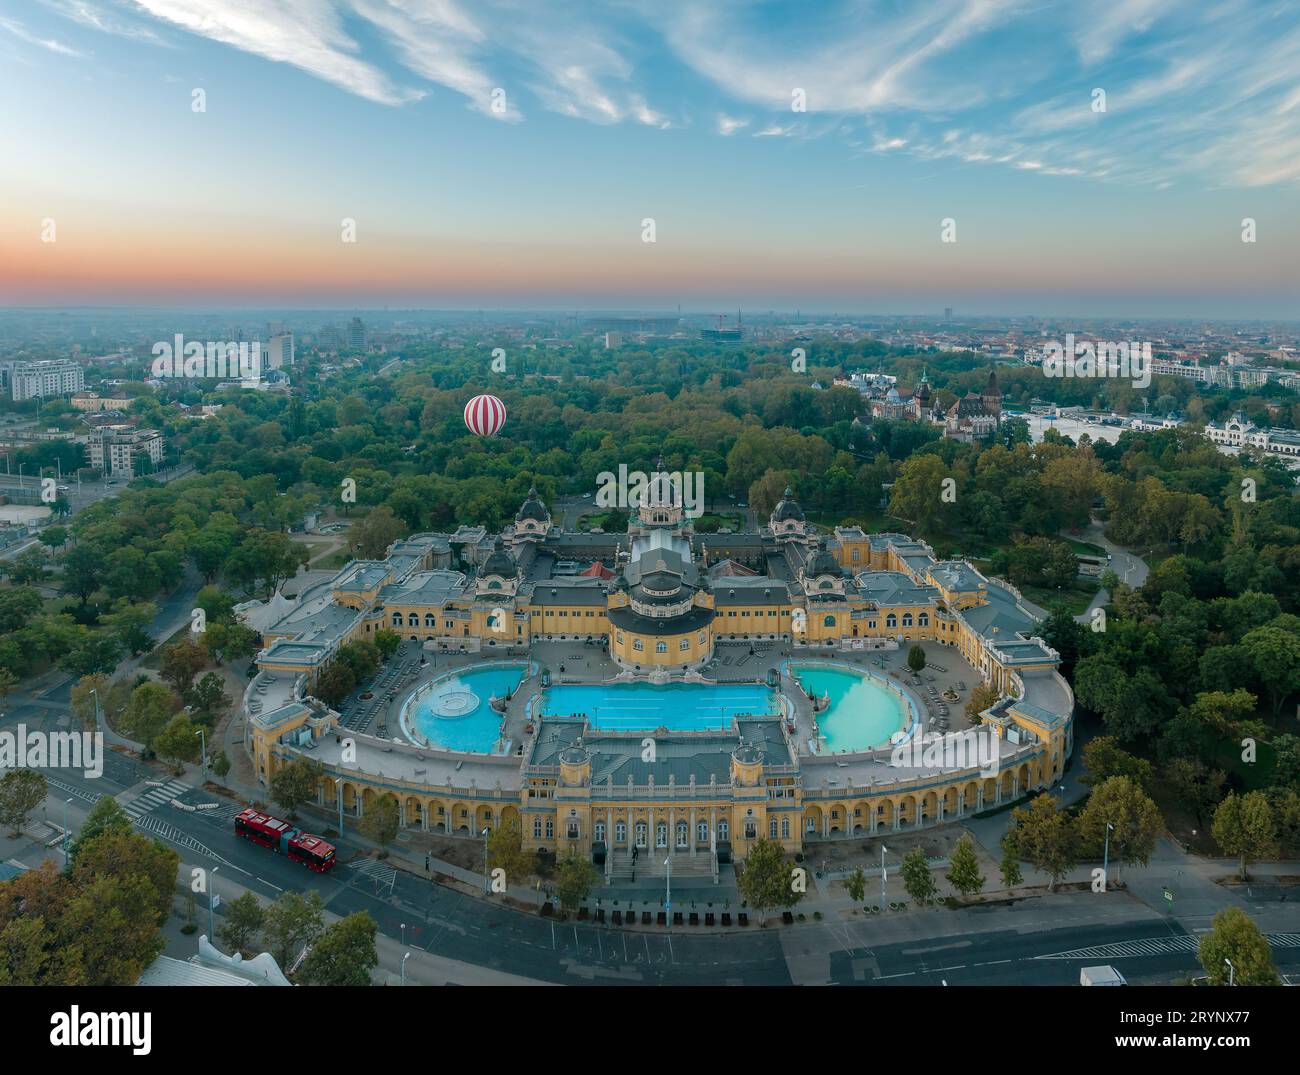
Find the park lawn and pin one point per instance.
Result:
(1076, 598)
(1219, 753)
(601, 519)
(1181, 822)
(710, 522)
(1085, 548)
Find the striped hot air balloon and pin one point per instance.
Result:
(485, 415)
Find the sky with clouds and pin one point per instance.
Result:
(507, 152)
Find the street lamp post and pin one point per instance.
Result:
(338, 786)
(668, 892)
(882, 876)
(487, 887)
(1105, 859)
(1232, 972)
(404, 959)
(203, 752)
(403, 934)
(212, 895)
(65, 832)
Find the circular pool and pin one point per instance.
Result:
(455, 711)
(864, 711)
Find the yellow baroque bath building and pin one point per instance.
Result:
(662, 605)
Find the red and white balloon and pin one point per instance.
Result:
(485, 415)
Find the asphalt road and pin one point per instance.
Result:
(1037, 942)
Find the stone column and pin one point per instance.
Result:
(609, 844)
(690, 834)
(997, 792)
(979, 797)
(898, 817)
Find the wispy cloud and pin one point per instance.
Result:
(304, 33)
(92, 16)
(1209, 92)
(19, 31)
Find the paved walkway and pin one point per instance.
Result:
(1131, 569)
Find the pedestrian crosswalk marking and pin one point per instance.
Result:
(154, 798)
(1153, 946)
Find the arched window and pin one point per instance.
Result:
(724, 830)
(683, 832)
(661, 647)
(640, 834)
(397, 619)
(661, 835)
(907, 619)
(430, 620)
(638, 645)
(829, 621)
(923, 619)
(785, 828)
(412, 620)
(771, 828)
(891, 620)
(702, 833)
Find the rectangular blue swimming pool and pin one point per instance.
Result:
(679, 707)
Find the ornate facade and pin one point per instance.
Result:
(660, 612)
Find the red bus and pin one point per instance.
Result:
(284, 839)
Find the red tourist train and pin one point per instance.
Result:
(284, 839)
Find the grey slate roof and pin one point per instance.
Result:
(680, 757)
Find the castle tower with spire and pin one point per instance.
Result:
(920, 405)
(992, 395)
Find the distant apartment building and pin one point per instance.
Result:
(43, 379)
(1232, 375)
(278, 352)
(633, 326)
(119, 451)
(356, 335)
